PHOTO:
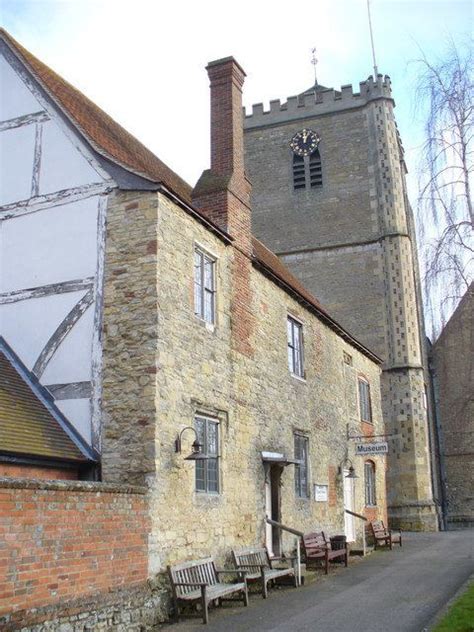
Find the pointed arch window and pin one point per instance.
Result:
(307, 171)
(369, 473)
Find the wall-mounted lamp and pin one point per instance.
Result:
(351, 469)
(196, 454)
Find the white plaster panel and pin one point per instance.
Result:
(62, 165)
(78, 413)
(28, 325)
(49, 246)
(72, 360)
(15, 98)
(17, 148)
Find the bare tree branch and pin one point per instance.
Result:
(445, 209)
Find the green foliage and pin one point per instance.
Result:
(460, 617)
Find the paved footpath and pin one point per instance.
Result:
(390, 591)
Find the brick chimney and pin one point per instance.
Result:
(223, 191)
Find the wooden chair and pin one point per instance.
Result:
(199, 581)
(261, 568)
(383, 536)
(318, 549)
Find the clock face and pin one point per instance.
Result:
(305, 142)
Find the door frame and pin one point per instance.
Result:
(349, 522)
(273, 474)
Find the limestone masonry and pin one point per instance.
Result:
(351, 242)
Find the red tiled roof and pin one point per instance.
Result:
(105, 135)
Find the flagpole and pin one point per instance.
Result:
(376, 72)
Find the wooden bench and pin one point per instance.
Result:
(260, 567)
(383, 536)
(199, 581)
(318, 549)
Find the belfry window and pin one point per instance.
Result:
(299, 177)
(315, 171)
(307, 171)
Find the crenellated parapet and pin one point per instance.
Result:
(319, 102)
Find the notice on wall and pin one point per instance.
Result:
(321, 493)
(363, 449)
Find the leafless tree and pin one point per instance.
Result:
(445, 206)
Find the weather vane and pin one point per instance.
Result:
(314, 61)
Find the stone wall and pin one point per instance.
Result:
(351, 243)
(452, 357)
(73, 553)
(130, 338)
(256, 401)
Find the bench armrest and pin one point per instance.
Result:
(200, 584)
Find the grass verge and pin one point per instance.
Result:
(460, 617)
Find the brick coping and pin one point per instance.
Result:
(73, 486)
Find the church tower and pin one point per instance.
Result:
(329, 198)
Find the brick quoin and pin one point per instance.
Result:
(90, 542)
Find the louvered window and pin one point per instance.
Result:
(307, 171)
(315, 170)
(299, 175)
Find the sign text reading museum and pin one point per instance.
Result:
(372, 448)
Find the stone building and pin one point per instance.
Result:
(153, 317)
(329, 198)
(452, 357)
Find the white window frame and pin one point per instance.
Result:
(370, 484)
(207, 471)
(365, 404)
(295, 346)
(204, 292)
(302, 485)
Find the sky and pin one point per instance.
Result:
(143, 61)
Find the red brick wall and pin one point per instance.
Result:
(64, 540)
(36, 472)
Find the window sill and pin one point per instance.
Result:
(298, 377)
(303, 499)
(210, 327)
